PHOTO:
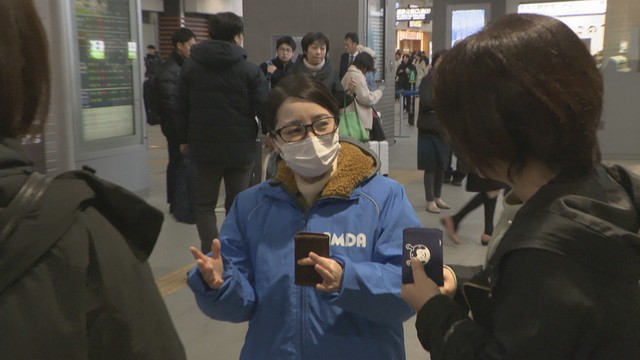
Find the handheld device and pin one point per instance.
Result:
(306, 242)
(424, 244)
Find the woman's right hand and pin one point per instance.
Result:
(210, 267)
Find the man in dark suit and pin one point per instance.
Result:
(351, 42)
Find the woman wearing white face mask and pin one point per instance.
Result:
(323, 185)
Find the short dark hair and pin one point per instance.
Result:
(529, 89)
(364, 62)
(25, 90)
(286, 40)
(182, 35)
(151, 47)
(312, 37)
(225, 26)
(300, 87)
(352, 36)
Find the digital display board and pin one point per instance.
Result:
(417, 13)
(106, 68)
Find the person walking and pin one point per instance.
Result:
(433, 151)
(219, 95)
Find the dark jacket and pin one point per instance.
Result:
(74, 280)
(281, 71)
(344, 64)
(326, 75)
(402, 73)
(563, 282)
(165, 82)
(427, 120)
(219, 96)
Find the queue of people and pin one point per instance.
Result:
(562, 274)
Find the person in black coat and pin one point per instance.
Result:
(433, 151)
(402, 73)
(315, 63)
(521, 101)
(219, 96)
(279, 67)
(165, 82)
(74, 278)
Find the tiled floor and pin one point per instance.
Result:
(209, 339)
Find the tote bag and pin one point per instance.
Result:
(351, 126)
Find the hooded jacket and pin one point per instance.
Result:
(562, 283)
(364, 215)
(219, 96)
(74, 281)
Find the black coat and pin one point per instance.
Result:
(402, 73)
(74, 277)
(344, 64)
(165, 82)
(281, 71)
(219, 96)
(563, 281)
(326, 75)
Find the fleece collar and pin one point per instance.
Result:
(355, 165)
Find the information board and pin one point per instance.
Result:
(106, 68)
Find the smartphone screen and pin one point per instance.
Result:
(306, 242)
(425, 244)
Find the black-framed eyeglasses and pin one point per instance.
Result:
(297, 132)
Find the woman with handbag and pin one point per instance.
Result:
(521, 101)
(364, 98)
(433, 151)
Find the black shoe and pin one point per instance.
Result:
(446, 180)
(456, 183)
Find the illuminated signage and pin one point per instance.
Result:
(418, 13)
(415, 23)
(565, 8)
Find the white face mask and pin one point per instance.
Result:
(312, 156)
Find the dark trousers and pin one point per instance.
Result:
(172, 169)
(207, 179)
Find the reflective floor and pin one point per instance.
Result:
(209, 339)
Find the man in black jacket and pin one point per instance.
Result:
(219, 96)
(165, 82)
(279, 67)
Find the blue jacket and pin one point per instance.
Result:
(364, 214)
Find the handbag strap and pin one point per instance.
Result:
(355, 108)
(30, 192)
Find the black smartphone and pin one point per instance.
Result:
(424, 244)
(306, 242)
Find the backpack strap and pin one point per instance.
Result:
(30, 192)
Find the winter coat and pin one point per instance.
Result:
(326, 75)
(219, 96)
(364, 214)
(281, 71)
(562, 283)
(364, 99)
(74, 277)
(165, 82)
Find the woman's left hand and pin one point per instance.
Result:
(422, 289)
(329, 269)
